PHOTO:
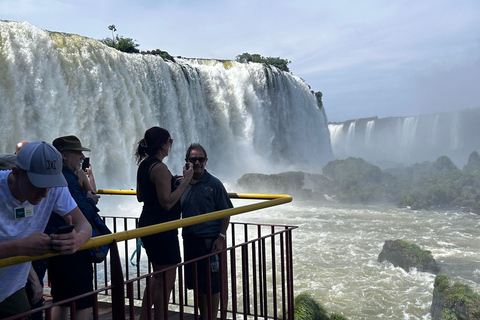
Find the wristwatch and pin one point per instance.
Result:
(222, 235)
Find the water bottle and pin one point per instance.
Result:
(214, 263)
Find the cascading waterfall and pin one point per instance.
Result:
(406, 140)
(249, 117)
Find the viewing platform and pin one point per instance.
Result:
(256, 268)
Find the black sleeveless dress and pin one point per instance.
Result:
(162, 248)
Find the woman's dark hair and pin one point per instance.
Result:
(153, 140)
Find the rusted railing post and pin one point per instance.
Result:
(116, 273)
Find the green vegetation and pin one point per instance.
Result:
(459, 300)
(157, 52)
(120, 43)
(306, 308)
(416, 254)
(420, 186)
(280, 63)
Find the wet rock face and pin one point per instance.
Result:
(406, 255)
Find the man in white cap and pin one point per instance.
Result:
(28, 194)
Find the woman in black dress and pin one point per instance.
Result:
(157, 189)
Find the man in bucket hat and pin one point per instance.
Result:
(72, 275)
(29, 193)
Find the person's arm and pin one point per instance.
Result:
(37, 288)
(36, 244)
(218, 244)
(69, 243)
(91, 178)
(162, 179)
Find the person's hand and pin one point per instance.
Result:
(93, 196)
(66, 243)
(218, 244)
(88, 170)
(36, 244)
(37, 291)
(188, 174)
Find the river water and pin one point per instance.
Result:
(336, 248)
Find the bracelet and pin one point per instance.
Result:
(222, 235)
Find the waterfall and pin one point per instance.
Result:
(249, 117)
(406, 140)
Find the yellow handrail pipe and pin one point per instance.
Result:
(275, 200)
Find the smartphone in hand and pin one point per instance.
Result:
(187, 166)
(86, 163)
(65, 229)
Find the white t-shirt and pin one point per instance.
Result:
(59, 200)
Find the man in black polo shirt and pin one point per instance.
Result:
(204, 194)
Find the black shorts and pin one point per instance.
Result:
(15, 304)
(70, 276)
(163, 248)
(194, 247)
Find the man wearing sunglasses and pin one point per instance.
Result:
(204, 194)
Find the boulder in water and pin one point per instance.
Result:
(406, 255)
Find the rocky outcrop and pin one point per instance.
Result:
(453, 300)
(406, 255)
(296, 183)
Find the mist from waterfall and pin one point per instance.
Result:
(249, 117)
(392, 141)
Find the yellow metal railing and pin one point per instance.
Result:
(274, 200)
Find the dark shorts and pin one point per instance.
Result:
(70, 276)
(194, 247)
(163, 248)
(15, 304)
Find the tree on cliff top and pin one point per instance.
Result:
(277, 62)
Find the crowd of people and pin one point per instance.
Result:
(47, 200)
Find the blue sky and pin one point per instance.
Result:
(368, 58)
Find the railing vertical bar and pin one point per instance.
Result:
(180, 295)
(95, 306)
(165, 295)
(148, 296)
(118, 293)
(282, 257)
(233, 276)
(290, 274)
(246, 273)
(195, 289)
(260, 269)
(131, 300)
(139, 291)
(264, 271)
(246, 301)
(274, 272)
(254, 280)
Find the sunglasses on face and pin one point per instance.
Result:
(194, 160)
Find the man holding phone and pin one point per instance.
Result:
(28, 194)
(204, 194)
(73, 275)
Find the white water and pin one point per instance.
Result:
(405, 140)
(249, 117)
(336, 248)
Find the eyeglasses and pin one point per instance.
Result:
(194, 160)
(170, 140)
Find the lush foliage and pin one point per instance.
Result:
(280, 63)
(122, 44)
(460, 301)
(157, 52)
(424, 185)
(306, 308)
